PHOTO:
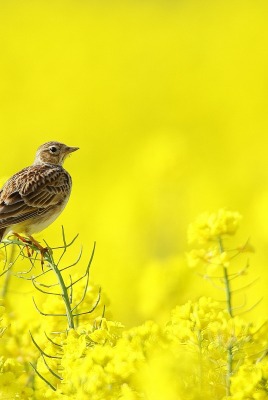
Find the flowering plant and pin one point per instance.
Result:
(205, 349)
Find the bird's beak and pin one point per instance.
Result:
(71, 149)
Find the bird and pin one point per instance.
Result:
(35, 196)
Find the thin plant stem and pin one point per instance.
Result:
(227, 285)
(228, 294)
(64, 291)
(229, 369)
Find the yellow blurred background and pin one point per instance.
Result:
(167, 101)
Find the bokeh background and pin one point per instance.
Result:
(167, 101)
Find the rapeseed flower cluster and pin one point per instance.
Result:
(209, 231)
(204, 350)
(210, 226)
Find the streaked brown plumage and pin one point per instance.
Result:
(34, 197)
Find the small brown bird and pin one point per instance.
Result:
(34, 197)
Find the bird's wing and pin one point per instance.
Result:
(32, 192)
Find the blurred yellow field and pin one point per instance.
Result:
(167, 101)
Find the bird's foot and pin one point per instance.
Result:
(32, 242)
(26, 241)
(42, 250)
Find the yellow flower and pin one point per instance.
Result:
(196, 257)
(99, 336)
(113, 329)
(210, 226)
(211, 257)
(127, 393)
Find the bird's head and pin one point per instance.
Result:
(53, 153)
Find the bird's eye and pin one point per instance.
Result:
(53, 149)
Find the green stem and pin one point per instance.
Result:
(228, 294)
(227, 285)
(64, 291)
(229, 369)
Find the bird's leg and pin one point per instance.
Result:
(21, 238)
(24, 240)
(42, 249)
(31, 241)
